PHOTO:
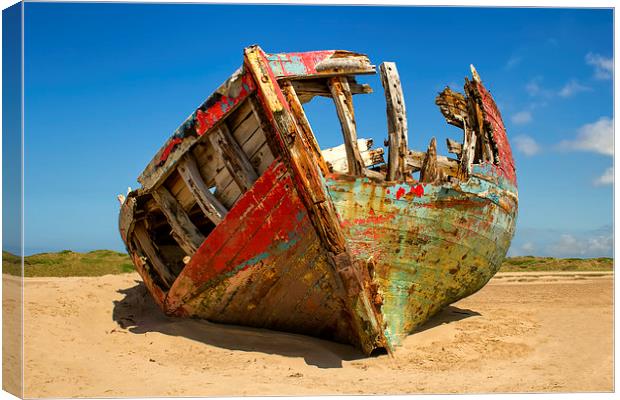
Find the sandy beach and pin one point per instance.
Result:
(546, 332)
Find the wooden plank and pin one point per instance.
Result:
(343, 100)
(449, 166)
(208, 161)
(229, 193)
(309, 88)
(177, 187)
(183, 229)
(208, 203)
(318, 64)
(235, 160)
(454, 147)
(253, 143)
(246, 129)
(262, 158)
(336, 157)
(239, 116)
(476, 120)
(469, 150)
(146, 244)
(397, 121)
(307, 135)
(225, 100)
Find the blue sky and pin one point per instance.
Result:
(106, 84)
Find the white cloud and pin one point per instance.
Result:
(526, 145)
(535, 89)
(603, 66)
(573, 87)
(522, 117)
(606, 179)
(512, 62)
(570, 246)
(532, 87)
(597, 137)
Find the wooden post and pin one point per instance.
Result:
(235, 160)
(397, 121)
(429, 171)
(208, 203)
(299, 114)
(184, 231)
(152, 254)
(343, 99)
(469, 150)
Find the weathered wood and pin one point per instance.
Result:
(223, 180)
(476, 120)
(454, 147)
(235, 160)
(469, 151)
(453, 106)
(336, 157)
(397, 121)
(319, 64)
(208, 161)
(366, 320)
(309, 88)
(262, 158)
(126, 219)
(415, 161)
(225, 100)
(177, 187)
(208, 203)
(341, 94)
(307, 134)
(183, 229)
(151, 253)
(430, 171)
(239, 116)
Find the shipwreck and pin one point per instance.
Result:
(241, 217)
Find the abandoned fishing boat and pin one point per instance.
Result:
(242, 219)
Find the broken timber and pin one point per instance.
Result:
(242, 218)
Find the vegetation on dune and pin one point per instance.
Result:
(103, 262)
(68, 263)
(533, 264)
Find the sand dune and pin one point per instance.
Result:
(521, 333)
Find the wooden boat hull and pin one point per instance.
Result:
(264, 266)
(242, 219)
(428, 245)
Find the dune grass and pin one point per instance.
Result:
(68, 263)
(532, 264)
(103, 262)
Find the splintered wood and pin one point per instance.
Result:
(397, 121)
(343, 100)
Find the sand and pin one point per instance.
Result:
(521, 333)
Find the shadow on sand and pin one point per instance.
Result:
(137, 313)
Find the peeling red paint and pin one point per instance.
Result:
(400, 193)
(268, 214)
(169, 147)
(492, 115)
(372, 219)
(417, 190)
(205, 119)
